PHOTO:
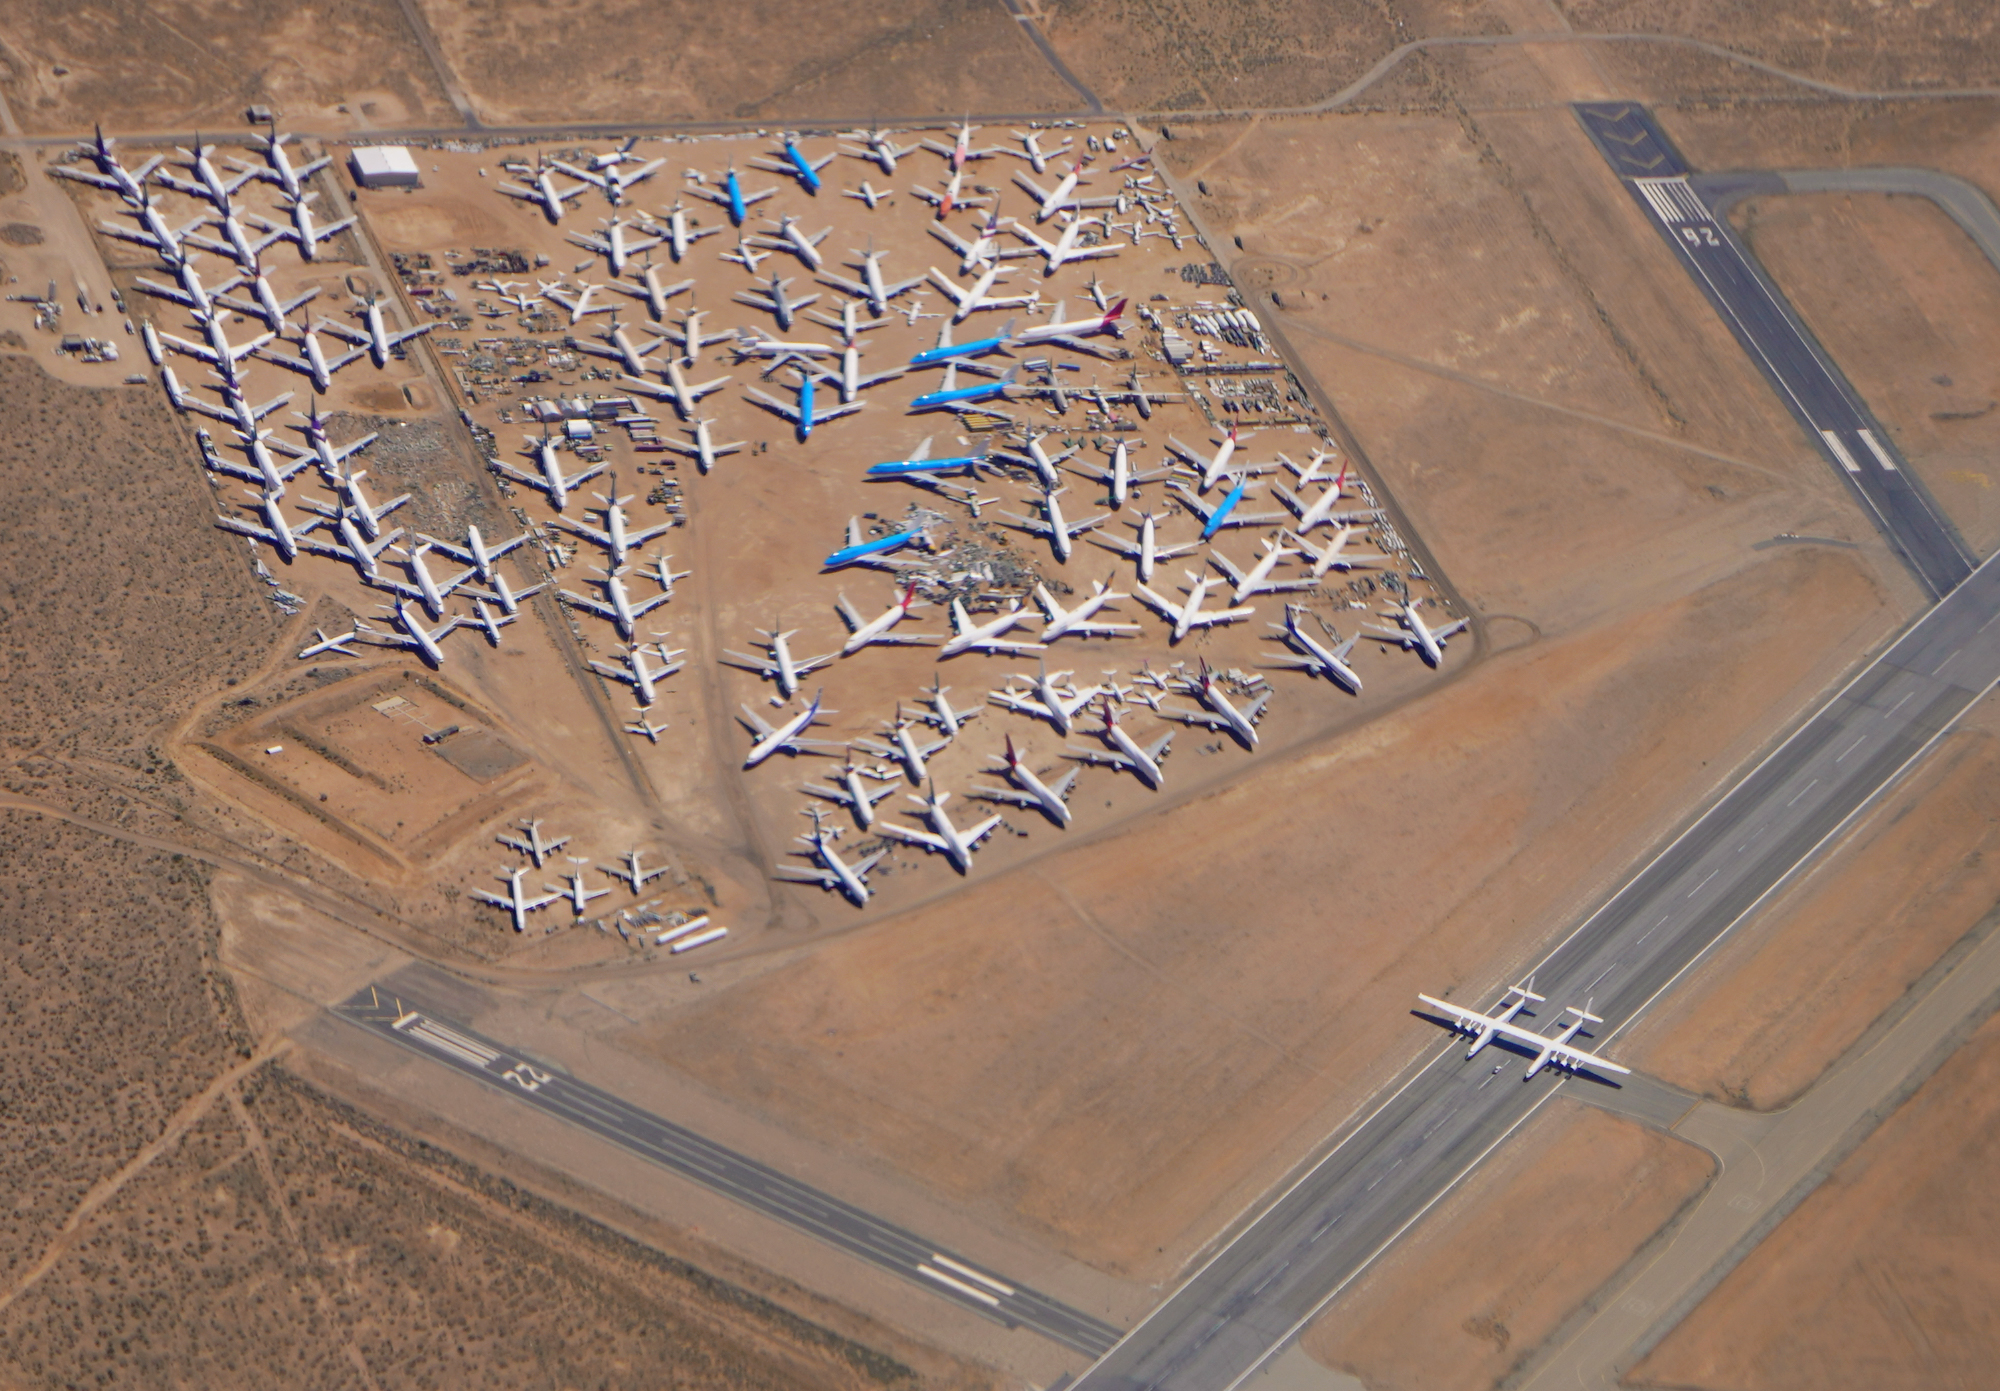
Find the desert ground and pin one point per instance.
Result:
(1892, 1254)
(1104, 1042)
(1426, 1316)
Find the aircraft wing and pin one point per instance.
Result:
(773, 404)
(802, 874)
(1004, 794)
(821, 417)
(1200, 717)
(1209, 617)
(602, 610)
(915, 837)
(1169, 611)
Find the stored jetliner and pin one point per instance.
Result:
(1117, 475)
(1316, 656)
(835, 873)
(777, 664)
(731, 195)
(770, 296)
(618, 543)
(424, 642)
(1038, 457)
(475, 552)
(127, 184)
(1189, 615)
(853, 794)
(681, 233)
(905, 749)
(880, 150)
(1031, 149)
(944, 837)
(517, 905)
(1061, 534)
(1066, 248)
(1063, 195)
(617, 605)
(1335, 555)
(1071, 333)
(972, 298)
(656, 295)
(312, 360)
(879, 629)
(551, 480)
(278, 167)
(1125, 753)
(545, 193)
(631, 873)
(793, 162)
(688, 337)
(636, 674)
(1061, 622)
(1257, 579)
(701, 448)
(960, 151)
(531, 844)
(981, 249)
(1417, 636)
(207, 183)
(612, 244)
(379, 340)
(1222, 713)
(871, 286)
(784, 738)
(425, 588)
(679, 390)
(874, 553)
(1224, 514)
(988, 637)
(1029, 790)
(947, 351)
(1211, 467)
(789, 237)
(354, 503)
(352, 547)
(304, 232)
(1550, 1050)
(322, 643)
(921, 462)
(950, 396)
(276, 532)
(942, 715)
(612, 180)
(1045, 699)
(578, 896)
(804, 414)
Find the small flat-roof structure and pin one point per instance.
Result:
(383, 166)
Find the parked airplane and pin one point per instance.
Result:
(631, 873)
(942, 715)
(1143, 399)
(379, 340)
(871, 286)
(1335, 556)
(1189, 615)
(1556, 1049)
(960, 152)
(1224, 514)
(352, 547)
(834, 873)
(651, 290)
(880, 629)
(771, 297)
(1417, 636)
(276, 532)
(904, 748)
(207, 183)
(1222, 713)
(575, 300)
(1047, 465)
(678, 389)
(612, 244)
(1032, 151)
(777, 664)
(236, 409)
(636, 674)
(618, 346)
(1052, 200)
(951, 197)
(945, 837)
(518, 906)
(921, 462)
(191, 293)
(1257, 579)
(755, 343)
(322, 643)
(1320, 510)
(852, 793)
(972, 298)
(616, 605)
(476, 553)
(792, 161)
(650, 730)
(1212, 467)
(879, 150)
(531, 843)
(129, 184)
(312, 360)
(875, 552)
(614, 179)
(578, 896)
(982, 249)
(303, 232)
(784, 738)
(731, 195)
(1071, 333)
(804, 414)
(483, 619)
(1059, 622)
(746, 255)
(1061, 534)
(683, 232)
(788, 237)
(267, 474)
(701, 448)
(1125, 753)
(551, 481)
(218, 351)
(987, 637)
(277, 168)
(1046, 699)
(1028, 790)
(1068, 246)
(689, 338)
(544, 192)
(424, 587)
(1316, 656)
(234, 243)
(867, 193)
(354, 502)
(617, 542)
(415, 637)
(1117, 476)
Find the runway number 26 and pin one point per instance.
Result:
(526, 1076)
(1701, 236)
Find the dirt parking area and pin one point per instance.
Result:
(1472, 1291)
(1884, 1277)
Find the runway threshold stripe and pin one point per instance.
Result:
(1840, 451)
(1875, 448)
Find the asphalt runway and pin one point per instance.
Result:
(1815, 391)
(744, 1180)
(1259, 1291)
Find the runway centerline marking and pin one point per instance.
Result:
(1802, 792)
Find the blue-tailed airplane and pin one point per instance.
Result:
(860, 552)
(951, 396)
(1224, 512)
(731, 196)
(920, 461)
(806, 171)
(804, 415)
(946, 350)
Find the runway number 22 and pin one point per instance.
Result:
(1701, 236)
(525, 1076)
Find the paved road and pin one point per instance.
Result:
(726, 1172)
(1805, 378)
(1261, 1289)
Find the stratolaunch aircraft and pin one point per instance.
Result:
(1550, 1049)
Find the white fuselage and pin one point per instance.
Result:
(1142, 762)
(1254, 578)
(413, 628)
(787, 672)
(781, 736)
(875, 627)
(1024, 778)
(1211, 695)
(1321, 655)
(857, 797)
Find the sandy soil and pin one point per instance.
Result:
(345, 64)
(354, 1257)
(1774, 1008)
(1472, 1291)
(1884, 1277)
(1920, 341)
(668, 62)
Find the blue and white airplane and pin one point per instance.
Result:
(952, 396)
(946, 350)
(804, 415)
(791, 161)
(875, 552)
(731, 196)
(1224, 513)
(921, 462)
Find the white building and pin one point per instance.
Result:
(383, 166)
